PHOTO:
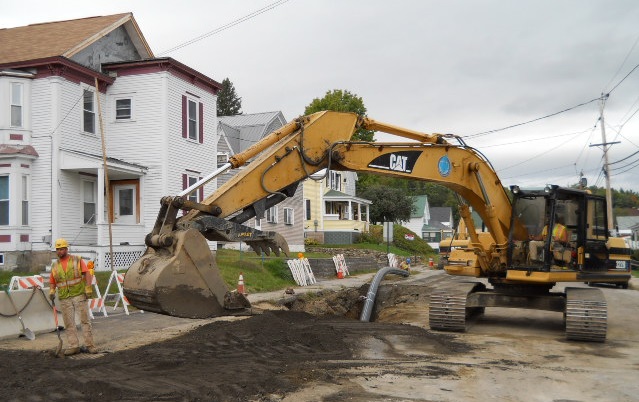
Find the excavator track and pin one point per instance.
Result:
(586, 315)
(447, 309)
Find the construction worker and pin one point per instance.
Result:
(559, 235)
(72, 279)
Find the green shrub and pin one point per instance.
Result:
(416, 246)
(309, 241)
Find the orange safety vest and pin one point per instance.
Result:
(70, 283)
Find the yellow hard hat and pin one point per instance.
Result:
(61, 243)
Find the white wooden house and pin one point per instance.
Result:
(430, 223)
(158, 118)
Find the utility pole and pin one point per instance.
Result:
(606, 171)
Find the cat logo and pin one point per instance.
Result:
(403, 161)
(398, 162)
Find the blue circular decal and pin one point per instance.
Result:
(444, 166)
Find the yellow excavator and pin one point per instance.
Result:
(177, 274)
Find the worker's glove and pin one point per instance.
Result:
(52, 294)
(88, 291)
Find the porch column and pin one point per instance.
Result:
(350, 210)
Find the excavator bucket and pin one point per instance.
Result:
(181, 280)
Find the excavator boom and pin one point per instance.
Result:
(177, 275)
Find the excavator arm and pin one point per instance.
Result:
(177, 275)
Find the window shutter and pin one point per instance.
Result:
(201, 189)
(185, 132)
(185, 181)
(201, 122)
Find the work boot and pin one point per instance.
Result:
(92, 349)
(71, 351)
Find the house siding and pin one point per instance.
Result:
(144, 131)
(41, 169)
(185, 154)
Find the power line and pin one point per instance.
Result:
(540, 154)
(623, 79)
(226, 26)
(627, 157)
(623, 62)
(534, 139)
(531, 121)
(627, 170)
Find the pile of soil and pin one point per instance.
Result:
(264, 357)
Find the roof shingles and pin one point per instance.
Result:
(60, 38)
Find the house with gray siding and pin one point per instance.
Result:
(236, 134)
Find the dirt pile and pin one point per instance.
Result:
(344, 303)
(260, 358)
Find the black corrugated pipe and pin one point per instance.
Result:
(372, 290)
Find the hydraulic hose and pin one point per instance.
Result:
(372, 290)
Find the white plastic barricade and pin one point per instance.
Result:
(118, 279)
(297, 272)
(309, 272)
(26, 282)
(392, 261)
(301, 271)
(340, 264)
(97, 303)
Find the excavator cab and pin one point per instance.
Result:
(567, 236)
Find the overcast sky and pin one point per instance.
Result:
(462, 67)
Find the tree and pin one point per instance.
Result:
(389, 204)
(228, 103)
(342, 101)
(438, 195)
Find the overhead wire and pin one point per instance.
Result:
(623, 63)
(226, 26)
(539, 154)
(530, 121)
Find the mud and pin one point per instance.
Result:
(312, 347)
(262, 358)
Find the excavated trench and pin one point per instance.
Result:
(263, 357)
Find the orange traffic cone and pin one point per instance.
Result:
(340, 273)
(240, 285)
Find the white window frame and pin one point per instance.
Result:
(7, 200)
(195, 194)
(222, 158)
(307, 209)
(289, 216)
(90, 112)
(336, 181)
(258, 224)
(271, 214)
(115, 109)
(92, 220)
(19, 104)
(192, 134)
(24, 205)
